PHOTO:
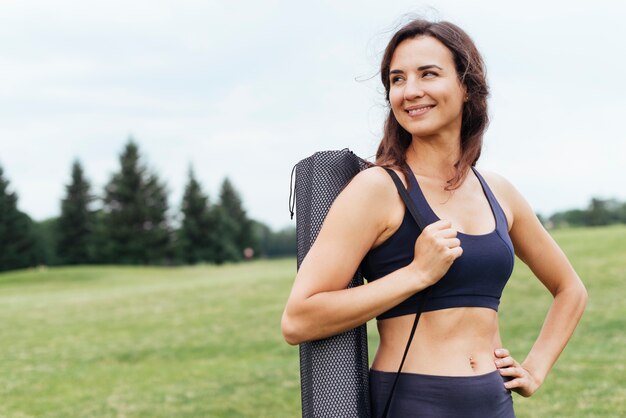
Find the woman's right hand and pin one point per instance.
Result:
(436, 248)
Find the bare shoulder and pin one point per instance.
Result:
(374, 193)
(372, 186)
(374, 179)
(506, 194)
(497, 182)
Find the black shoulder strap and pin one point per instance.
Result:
(407, 199)
(421, 224)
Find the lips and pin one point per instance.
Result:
(418, 110)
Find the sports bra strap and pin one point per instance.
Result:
(421, 224)
(419, 220)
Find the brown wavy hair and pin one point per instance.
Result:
(471, 72)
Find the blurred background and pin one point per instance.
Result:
(164, 133)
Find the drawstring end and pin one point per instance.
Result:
(292, 187)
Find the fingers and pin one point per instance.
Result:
(521, 385)
(456, 252)
(442, 228)
(511, 371)
(518, 378)
(437, 247)
(448, 238)
(514, 383)
(507, 361)
(452, 242)
(507, 366)
(501, 352)
(443, 234)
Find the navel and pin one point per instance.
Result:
(472, 362)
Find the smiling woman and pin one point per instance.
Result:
(437, 91)
(416, 90)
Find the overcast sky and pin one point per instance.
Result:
(246, 89)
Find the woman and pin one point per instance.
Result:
(456, 366)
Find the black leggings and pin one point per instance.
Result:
(423, 395)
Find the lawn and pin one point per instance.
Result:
(205, 341)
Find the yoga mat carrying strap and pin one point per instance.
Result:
(421, 224)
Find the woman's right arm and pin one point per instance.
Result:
(320, 305)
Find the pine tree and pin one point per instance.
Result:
(235, 229)
(100, 239)
(46, 232)
(17, 238)
(76, 223)
(225, 232)
(135, 219)
(158, 235)
(196, 233)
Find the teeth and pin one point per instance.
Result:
(416, 111)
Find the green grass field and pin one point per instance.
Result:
(205, 341)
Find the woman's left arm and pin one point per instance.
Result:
(536, 248)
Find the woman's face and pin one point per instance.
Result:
(425, 93)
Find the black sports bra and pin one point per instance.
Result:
(476, 278)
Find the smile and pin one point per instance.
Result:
(419, 111)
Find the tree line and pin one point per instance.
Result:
(129, 223)
(599, 212)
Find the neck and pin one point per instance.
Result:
(434, 157)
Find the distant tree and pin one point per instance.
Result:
(231, 202)
(614, 207)
(258, 235)
(225, 233)
(17, 237)
(157, 230)
(599, 212)
(135, 214)
(100, 240)
(76, 223)
(603, 211)
(275, 244)
(621, 213)
(263, 235)
(573, 217)
(46, 233)
(196, 235)
(237, 229)
(283, 243)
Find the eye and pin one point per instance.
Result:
(431, 73)
(395, 79)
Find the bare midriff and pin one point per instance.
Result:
(447, 342)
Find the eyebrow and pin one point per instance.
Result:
(423, 67)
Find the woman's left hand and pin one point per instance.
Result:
(522, 381)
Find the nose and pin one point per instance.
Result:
(413, 89)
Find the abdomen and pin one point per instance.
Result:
(448, 342)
